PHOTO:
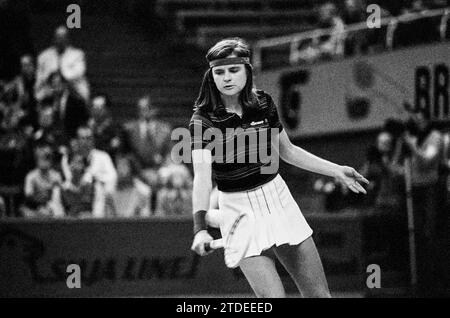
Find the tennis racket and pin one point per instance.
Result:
(235, 247)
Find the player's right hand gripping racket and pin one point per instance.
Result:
(235, 245)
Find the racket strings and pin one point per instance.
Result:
(236, 245)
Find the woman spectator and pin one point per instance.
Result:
(175, 195)
(42, 186)
(132, 196)
(82, 195)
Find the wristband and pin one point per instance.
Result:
(199, 221)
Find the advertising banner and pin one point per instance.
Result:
(360, 93)
(150, 257)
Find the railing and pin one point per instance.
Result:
(391, 24)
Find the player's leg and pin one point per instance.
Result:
(262, 276)
(303, 263)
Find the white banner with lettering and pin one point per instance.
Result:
(360, 93)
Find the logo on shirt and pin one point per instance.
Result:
(255, 123)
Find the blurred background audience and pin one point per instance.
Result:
(132, 196)
(86, 115)
(57, 126)
(41, 186)
(82, 194)
(64, 59)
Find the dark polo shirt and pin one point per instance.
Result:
(240, 147)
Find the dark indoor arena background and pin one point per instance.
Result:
(348, 78)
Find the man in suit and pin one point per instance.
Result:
(148, 138)
(107, 134)
(65, 59)
(70, 109)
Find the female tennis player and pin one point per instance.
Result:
(228, 106)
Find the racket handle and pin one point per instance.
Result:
(213, 245)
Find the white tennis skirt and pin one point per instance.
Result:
(273, 214)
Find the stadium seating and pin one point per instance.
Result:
(187, 20)
(127, 62)
(208, 35)
(203, 22)
(167, 7)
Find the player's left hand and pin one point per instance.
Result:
(198, 245)
(351, 179)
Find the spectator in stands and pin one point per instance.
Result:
(424, 145)
(175, 195)
(149, 139)
(132, 198)
(354, 12)
(65, 59)
(415, 6)
(99, 164)
(22, 88)
(25, 82)
(42, 186)
(388, 217)
(48, 132)
(384, 171)
(82, 195)
(324, 46)
(70, 110)
(11, 113)
(106, 133)
(332, 44)
(16, 157)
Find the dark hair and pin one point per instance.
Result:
(41, 146)
(209, 96)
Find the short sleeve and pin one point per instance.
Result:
(274, 120)
(197, 127)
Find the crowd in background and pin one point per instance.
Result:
(337, 42)
(409, 172)
(62, 153)
(428, 148)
